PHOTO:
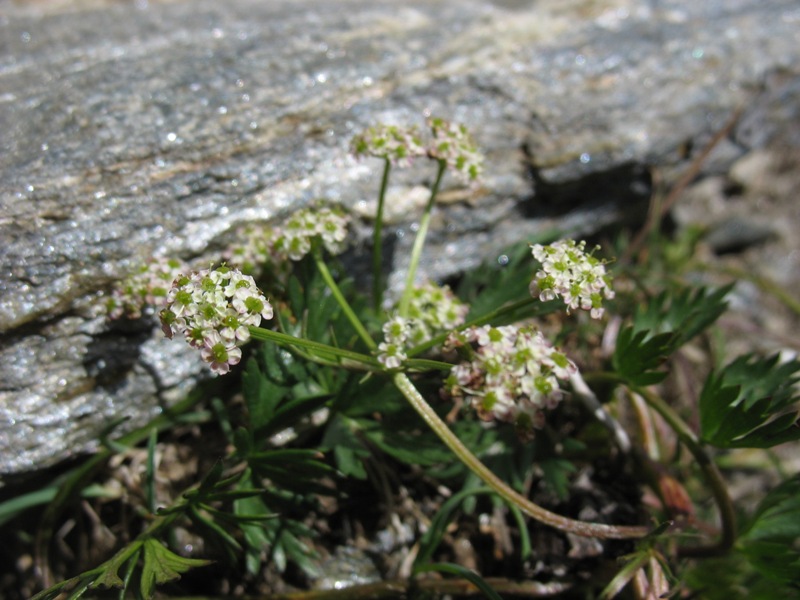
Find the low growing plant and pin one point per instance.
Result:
(343, 375)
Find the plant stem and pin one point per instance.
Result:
(581, 528)
(698, 451)
(343, 303)
(419, 242)
(534, 309)
(290, 341)
(710, 470)
(377, 241)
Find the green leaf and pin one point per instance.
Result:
(433, 535)
(413, 448)
(297, 470)
(639, 354)
(348, 452)
(772, 542)
(464, 573)
(685, 313)
(659, 328)
(161, 565)
(108, 576)
(750, 404)
(556, 472)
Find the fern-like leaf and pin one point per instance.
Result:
(750, 404)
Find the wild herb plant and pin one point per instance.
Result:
(332, 375)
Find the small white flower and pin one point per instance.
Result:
(432, 310)
(453, 144)
(145, 290)
(569, 272)
(213, 309)
(396, 144)
(391, 355)
(512, 377)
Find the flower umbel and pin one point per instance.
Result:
(255, 248)
(569, 272)
(453, 144)
(433, 309)
(213, 309)
(297, 236)
(398, 145)
(512, 375)
(144, 290)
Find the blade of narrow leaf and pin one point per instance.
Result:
(464, 573)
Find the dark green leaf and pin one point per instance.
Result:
(772, 542)
(638, 354)
(750, 404)
(685, 313)
(433, 535)
(161, 565)
(464, 573)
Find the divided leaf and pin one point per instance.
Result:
(637, 356)
(750, 404)
(162, 565)
(772, 543)
(661, 327)
(685, 313)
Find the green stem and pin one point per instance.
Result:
(377, 241)
(581, 528)
(419, 242)
(289, 341)
(535, 308)
(343, 303)
(710, 470)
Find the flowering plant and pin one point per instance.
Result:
(361, 372)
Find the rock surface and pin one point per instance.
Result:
(138, 129)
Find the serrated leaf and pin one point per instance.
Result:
(161, 565)
(684, 313)
(772, 542)
(667, 322)
(638, 354)
(750, 404)
(109, 576)
(410, 448)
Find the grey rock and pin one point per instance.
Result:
(138, 129)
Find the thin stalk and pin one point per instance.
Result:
(710, 471)
(286, 340)
(343, 303)
(377, 241)
(419, 242)
(538, 309)
(698, 451)
(581, 528)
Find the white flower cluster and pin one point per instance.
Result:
(433, 309)
(297, 234)
(255, 248)
(454, 145)
(512, 375)
(569, 272)
(451, 143)
(392, 350)
(396, 144)
(144, 290)
(262, 244)
(212, 309)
